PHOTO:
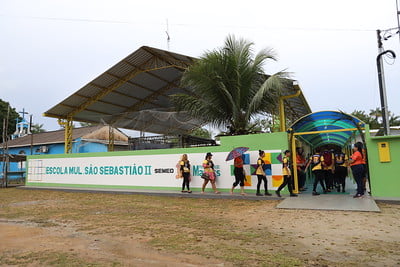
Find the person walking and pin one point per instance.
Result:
(185, 170)
(287, 175)
(208, 166)
(340, 170)
(316, 165)
(239, 173)
(357, 167)
(261, 176)
(301, 164)
(328, 167)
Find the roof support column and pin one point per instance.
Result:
(282, 109)
(68, 126)
(292, 141)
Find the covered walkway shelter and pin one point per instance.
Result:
(134, 94)
(324, 128)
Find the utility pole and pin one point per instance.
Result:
(398, 18)
(30, 130)
(382, 86)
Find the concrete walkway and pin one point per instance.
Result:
(194, 194)
(330, 201)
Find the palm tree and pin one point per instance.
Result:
(228, 86)
(394, 120)
(37, 128)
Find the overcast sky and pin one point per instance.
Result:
(50, 48)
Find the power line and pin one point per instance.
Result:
(192, 25)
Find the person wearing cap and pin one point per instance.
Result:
(287, 175)
(208, 166)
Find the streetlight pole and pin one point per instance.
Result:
(382, 88)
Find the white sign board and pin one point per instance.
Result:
(147, 170)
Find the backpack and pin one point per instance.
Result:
(327, 158)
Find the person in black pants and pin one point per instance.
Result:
(340, 170)
(319, 174)
(261, 174)
(357, 163)
(238, 171)
(185, 170)
(287, 176)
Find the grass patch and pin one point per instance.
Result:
(177, 225)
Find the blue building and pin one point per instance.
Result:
(85, 139)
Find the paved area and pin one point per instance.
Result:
(330, 201)
(194, 194)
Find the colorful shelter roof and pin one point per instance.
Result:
(326, 127)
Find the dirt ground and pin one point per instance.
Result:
(53, 228)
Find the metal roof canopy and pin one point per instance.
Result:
(134, 94)
(326, 127)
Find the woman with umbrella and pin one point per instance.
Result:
(238, 170)
(208, 166)
(239, 173)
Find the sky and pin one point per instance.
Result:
(52, 48)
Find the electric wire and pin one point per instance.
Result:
(190, 25)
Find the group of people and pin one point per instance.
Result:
(208, 173)
(330, 169)
(328, 166)
(239, 173)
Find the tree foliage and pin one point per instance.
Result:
(37, 128)
(374, 118)
(228, 87)
(201, 132)
(13, 115)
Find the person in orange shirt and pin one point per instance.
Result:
(238, 171)
(357, 163)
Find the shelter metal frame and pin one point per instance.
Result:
(293, 148)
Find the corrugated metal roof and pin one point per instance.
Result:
(56, 137)
(134, 94)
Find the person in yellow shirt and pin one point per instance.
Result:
(208, 166)
(287, 175)
(316, 162)
(261, 174)
(341, 163)
(185, 171)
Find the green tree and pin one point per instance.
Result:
(394, 120)
(201, 132)
(37, 128)
(13, 115)
(374, 118)
(228, 87)
(362, 115)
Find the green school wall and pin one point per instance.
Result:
(266, 141)
(384, 176)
